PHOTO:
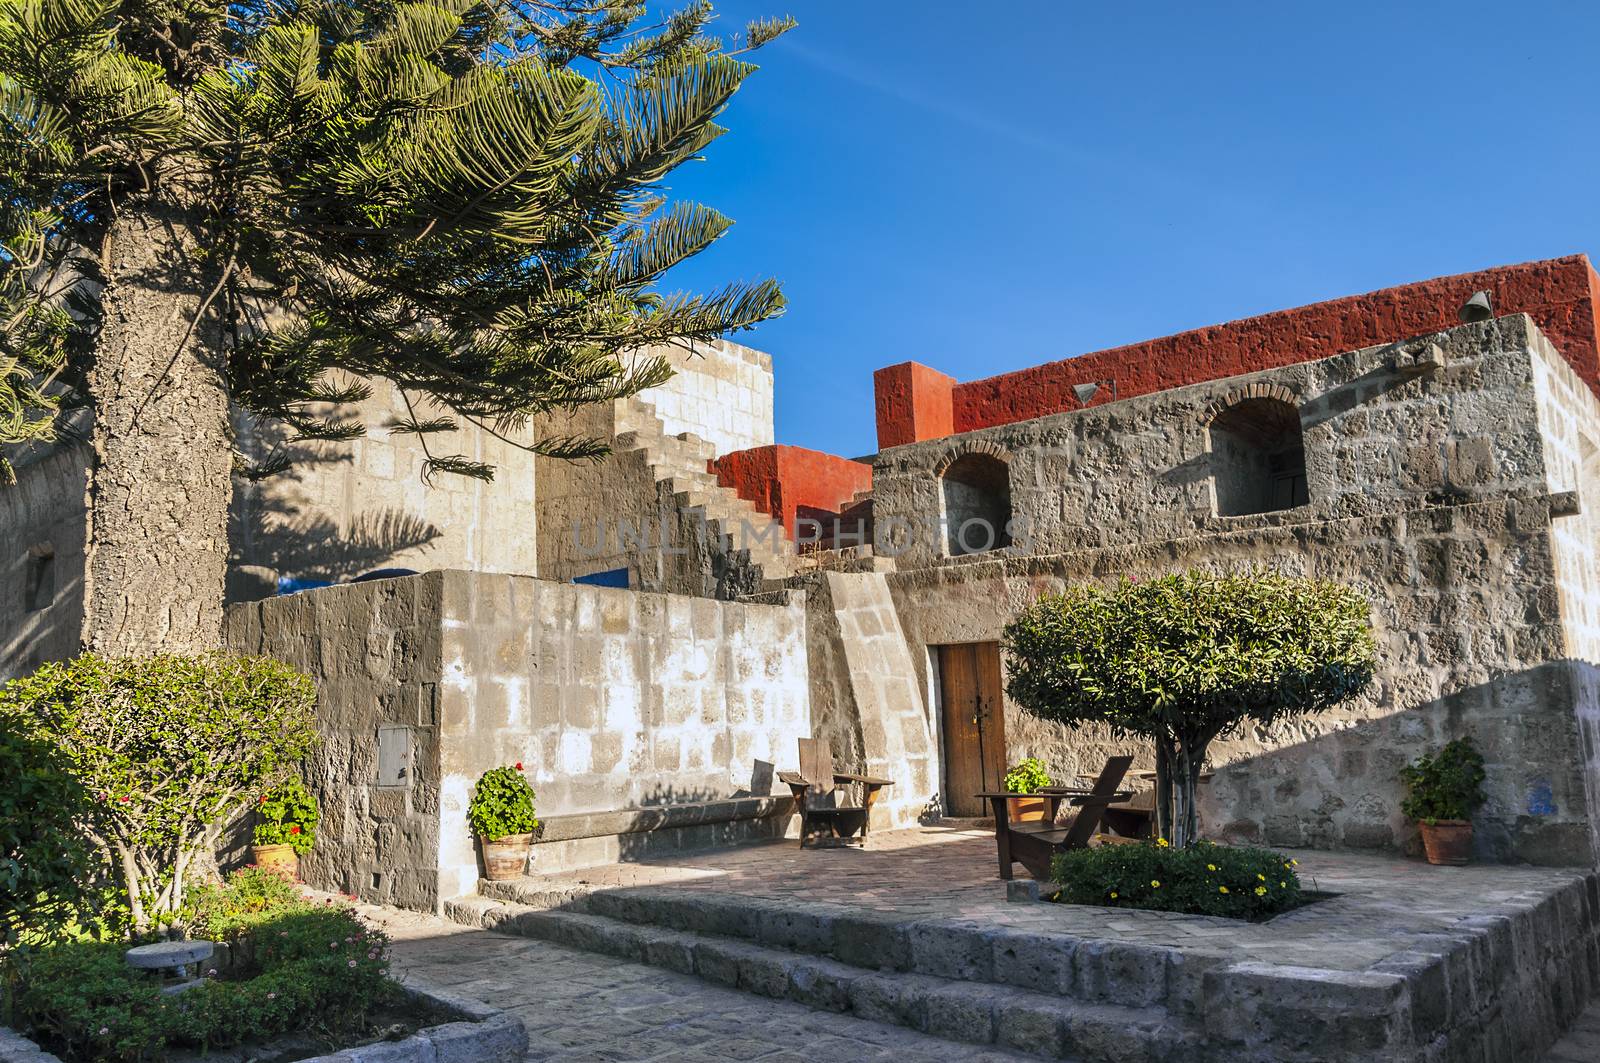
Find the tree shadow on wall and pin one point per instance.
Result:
(1341, 789)
(275, 530)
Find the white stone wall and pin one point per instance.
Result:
(611, 699)
(722, 393)
(347, 508)
(1569, 425)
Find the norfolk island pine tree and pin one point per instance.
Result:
(258, 204)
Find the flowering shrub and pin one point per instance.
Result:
(169, 748)
(1448, 785)
(1027, 776)
(502, 804)
(1204, 879)
(287, 815)
(224, 911)
(316, 969)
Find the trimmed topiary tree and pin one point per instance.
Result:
(1187, 658)
(170, 749)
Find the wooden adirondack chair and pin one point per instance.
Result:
(817, 787)
(1034, 845)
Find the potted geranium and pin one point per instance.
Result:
(1025, 779)
(1442, 792)
(286, 828)
(501, 814)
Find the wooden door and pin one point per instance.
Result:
(973, 726)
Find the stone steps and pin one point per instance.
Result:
(1037, 1022)
(680, 463)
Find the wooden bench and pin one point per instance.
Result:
(1034, 845)
(824, 822)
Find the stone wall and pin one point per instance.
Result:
(722, 393)
(42, 537)
(344, 508)
(612, 701)
(865, 692)
(1454, 533)
(375, 651)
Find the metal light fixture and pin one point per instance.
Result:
(1477, 308)
(1086, 392)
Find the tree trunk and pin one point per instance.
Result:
(1178, 764)
(160, 487)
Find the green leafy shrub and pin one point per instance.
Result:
(1185, 659)
(1204, 879)
(1027, 776)
(502, 804)
(47, 867)
(1448, 785)
(287, 815)
(223, 911)
(314, 970)
(170, 748)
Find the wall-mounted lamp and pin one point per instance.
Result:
(1477, 308)
(1086, 392)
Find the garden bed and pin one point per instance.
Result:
(438, 1027)
(1229, 882)
(293, 978)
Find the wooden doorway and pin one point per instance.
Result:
(974, 726)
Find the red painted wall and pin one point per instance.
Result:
(913, 402)
(1561, 295)
(784, 481)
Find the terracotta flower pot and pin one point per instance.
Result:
(505, 858)
(278, 858)
(1025, 809)
(1447, 841)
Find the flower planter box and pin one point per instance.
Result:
(481, 1033)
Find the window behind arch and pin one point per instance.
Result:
(1258, 459)
(977, 504)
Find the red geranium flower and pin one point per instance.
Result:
(519, 765)
(294, 830)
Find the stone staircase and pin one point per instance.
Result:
(680, 466)
(1047, 995)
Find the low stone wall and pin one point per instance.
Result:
(613, 701)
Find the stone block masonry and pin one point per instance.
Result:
(1454, 500)
(611, 700)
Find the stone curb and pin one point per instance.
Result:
(486, 1035)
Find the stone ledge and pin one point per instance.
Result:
(484, 1035)
(663, 817)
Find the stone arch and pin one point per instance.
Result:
(975, 492)
(1258, 458)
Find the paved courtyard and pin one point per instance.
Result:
(1386, 905)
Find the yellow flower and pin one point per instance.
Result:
(1156, 883)
(1211, 867)
(1162, 842)
(1261, 891)
(1294, 863)
(1113, 894)
(1283, 885)
(1222, 889)
(1260, 876)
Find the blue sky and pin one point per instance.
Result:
(985, 187)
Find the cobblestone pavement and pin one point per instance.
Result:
(582, 1007)
(1582, 1043)
(1386, 903)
